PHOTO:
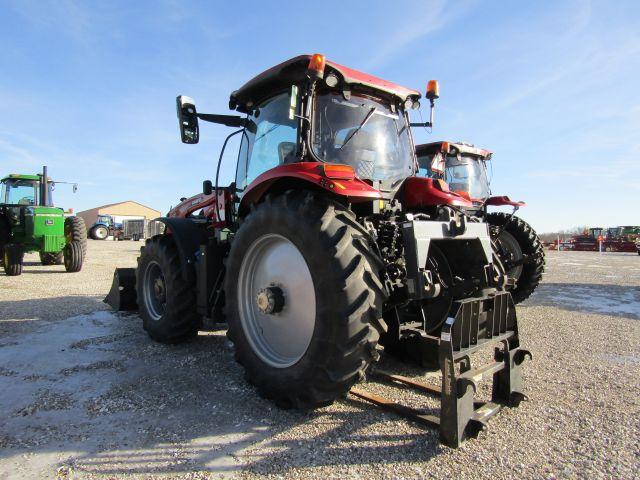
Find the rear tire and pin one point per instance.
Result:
(99, 232)
(12, 256)
(167, 302)
(314, 252)
(531, 247)
(73, 257)
(48, 258)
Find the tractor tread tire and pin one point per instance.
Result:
(75, 230)
(12, 258)
(95, 236)
(51, 258)
(73, 257)
(180, 321)
(349, 297)
(531, 246)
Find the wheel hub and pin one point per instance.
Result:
(154, 290)
(272, 267)
(270, 300)
(158, 289)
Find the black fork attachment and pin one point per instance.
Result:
(478, 323)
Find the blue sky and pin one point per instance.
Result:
(552, 88)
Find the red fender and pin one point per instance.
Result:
(503, 200)
(426, 192)
(191, 204)
(202, 201)
(345, 185)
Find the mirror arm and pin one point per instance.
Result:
(228, 120)
(428, 124)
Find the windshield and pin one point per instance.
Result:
(365, 133)
(467, 174)
(462, 173)
(20, 192)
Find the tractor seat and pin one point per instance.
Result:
(287, 152)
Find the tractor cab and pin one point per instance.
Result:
(312, 110)
(24, 190)
(462, 165)
(105, 220)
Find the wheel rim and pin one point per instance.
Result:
(510, 252)
(101, 233)
(274, 265)
(155, 291)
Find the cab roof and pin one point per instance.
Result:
(294, 70)
(452, 147)
(20, 176)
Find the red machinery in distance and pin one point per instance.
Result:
(595, 239)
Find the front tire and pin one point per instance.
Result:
(73, 257)
(528, 273)
(12, 256)
(51, 258)
(303, 300)
(167, 302)
(75, 230)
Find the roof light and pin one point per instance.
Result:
(433, 89)
(316, 65)
(331, 80)
(338, 171)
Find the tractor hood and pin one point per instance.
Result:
(294, 70)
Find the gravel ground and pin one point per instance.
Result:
(86, 394)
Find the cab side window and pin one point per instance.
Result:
(269, 141)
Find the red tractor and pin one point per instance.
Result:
(328, 246)
(464, 167)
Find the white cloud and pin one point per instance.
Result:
(432, 17)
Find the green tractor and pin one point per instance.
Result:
(30, 223)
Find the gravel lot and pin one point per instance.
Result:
(85, 394)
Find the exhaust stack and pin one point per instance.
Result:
(44, 193)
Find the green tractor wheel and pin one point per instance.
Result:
(76, 231)
(73, 256)
(12, 256)
(51, 258)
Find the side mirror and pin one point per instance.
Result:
(207, 187)
(187, 119)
